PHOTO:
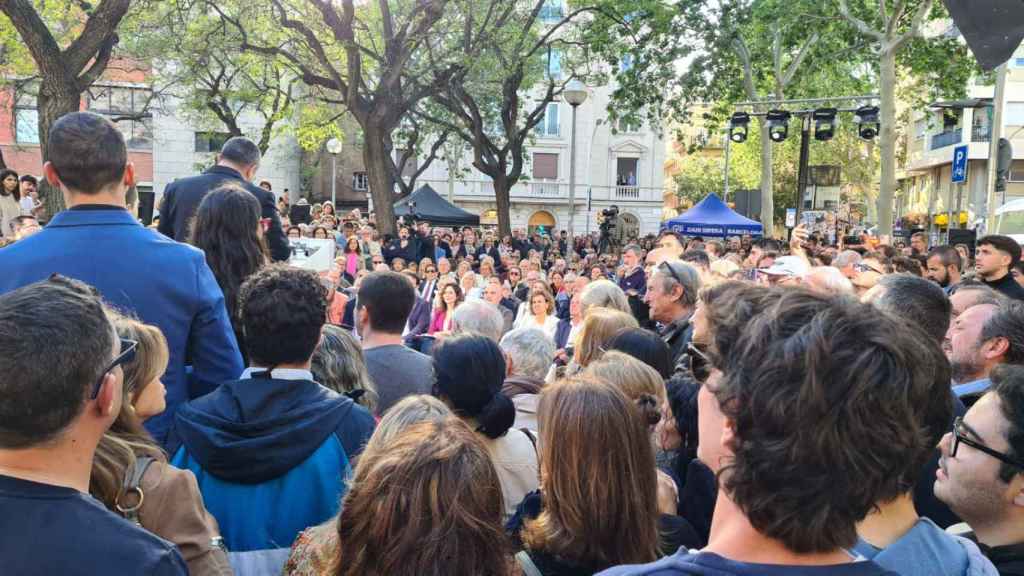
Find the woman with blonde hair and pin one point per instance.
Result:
(541, 311)
(597, 505)
(338, 364)
(130, 473)
(638, 381)
(315, 551)
(599, 326)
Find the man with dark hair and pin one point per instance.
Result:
(61, 390)
(238, 162)
(699, 259)
(671, 243)
(982, 473)
(943, 267)
(915, 300)
(24, 226)
(98, 241)
(993, 260)
(273, 449)
(982, 337)
(791, 420)
(920, 303)
(385, 300)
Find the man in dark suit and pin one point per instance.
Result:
(237, 162)
(419, 319)
(428, 287)
(96, 240)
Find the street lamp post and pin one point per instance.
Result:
(334, 147)
(575, 93)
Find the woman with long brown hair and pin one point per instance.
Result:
(598, 495)
(130, 473)
(427, 505)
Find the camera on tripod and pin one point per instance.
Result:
(609, 217)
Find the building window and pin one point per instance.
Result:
(211, 141)
(552, 12)
(545, 166)
(554, 63)
(360, 181)
(1016, 171)
(1014, 114)
(26, 118)
(128, 108)
(626, 171)
(549, 125)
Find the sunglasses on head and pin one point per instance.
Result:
(126, 355)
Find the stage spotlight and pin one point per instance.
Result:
(778, 125)
(824, 123)
(866, 119)
(738, 127)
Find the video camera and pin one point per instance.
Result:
(610, 213)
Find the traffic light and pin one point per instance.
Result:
(778, 125)
(738, 127)
(1004, 159)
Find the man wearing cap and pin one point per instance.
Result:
(786, 271)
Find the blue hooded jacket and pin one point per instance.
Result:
(272, 458)
(926, 550)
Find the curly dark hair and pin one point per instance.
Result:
(1008, 385)
(17, 187)
(225, 229)
(276, 334)
(826, 397)
(729, 307)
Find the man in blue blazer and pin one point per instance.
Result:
(137, 270)
(238, 161)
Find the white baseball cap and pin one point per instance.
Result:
(788, 266)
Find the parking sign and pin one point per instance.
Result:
(960, 164)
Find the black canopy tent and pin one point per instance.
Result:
(427, 205)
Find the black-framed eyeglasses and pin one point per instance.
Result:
(959, 436)
(126, 355)
(431, 271)
(699, 362)
(378, 261)
(865, 268)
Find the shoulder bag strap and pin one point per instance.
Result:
(526, 563)
(533, 439)
(133, 485)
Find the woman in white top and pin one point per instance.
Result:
(10, 197)
(541, 314)
(470, 370)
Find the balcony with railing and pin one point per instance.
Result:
(545, 188)
(627, 192)
(981, 134)
(947, 138)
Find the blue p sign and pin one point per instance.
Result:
(960, 164)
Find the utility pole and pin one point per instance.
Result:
(993, 149)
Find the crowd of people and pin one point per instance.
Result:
(448, 402)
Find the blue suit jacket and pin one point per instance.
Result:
(140, 271)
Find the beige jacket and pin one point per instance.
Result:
(172, 508)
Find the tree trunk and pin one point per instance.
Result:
(767, 198)
(502, 188)
(381, 187)
(3, 165)
(887, 140)
(53, 102)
